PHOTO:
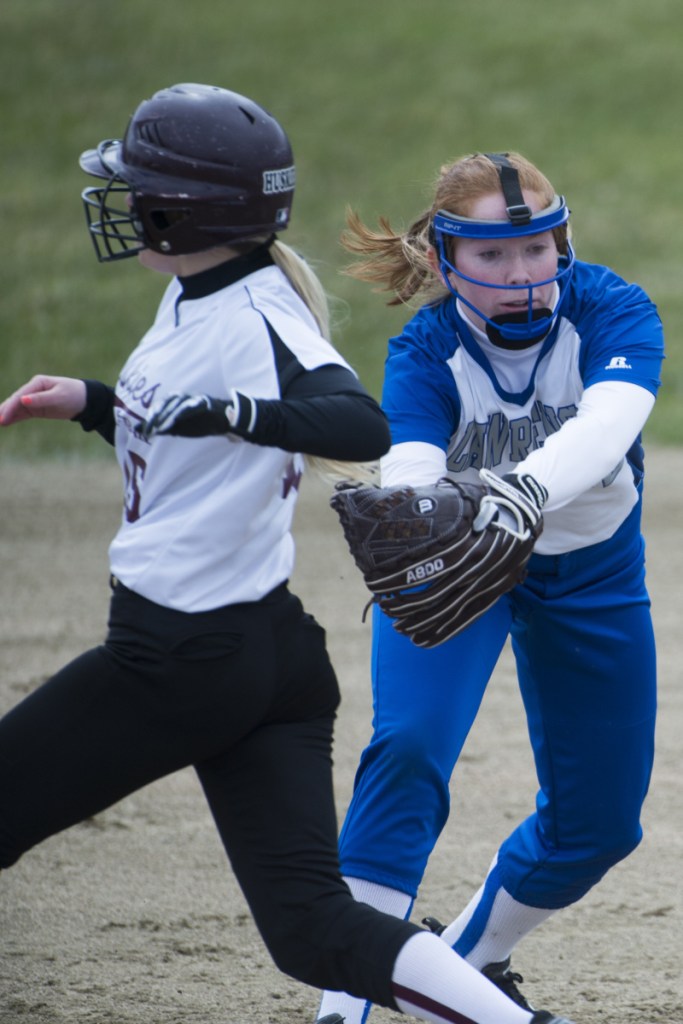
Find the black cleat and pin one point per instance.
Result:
(507, 981)
(500, 974)
(433, 925)
(336, 1018)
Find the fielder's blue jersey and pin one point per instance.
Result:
(445, 388)
(579, 625)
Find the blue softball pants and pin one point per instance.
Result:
(581, 633)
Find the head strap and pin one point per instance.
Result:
(553, 216)
(517, 210)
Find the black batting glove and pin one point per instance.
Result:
(200, 416)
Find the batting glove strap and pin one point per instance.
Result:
(241, 413)
(517, 499)
(529, 487)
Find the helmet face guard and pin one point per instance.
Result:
(198, 167)
(533, 323)
(114, 228)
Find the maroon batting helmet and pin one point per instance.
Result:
(199, 166)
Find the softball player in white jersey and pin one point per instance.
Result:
(522, 360)
(209, 660)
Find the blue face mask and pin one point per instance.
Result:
(530, 324)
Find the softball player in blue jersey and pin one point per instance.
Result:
(209, 660)
(522, 359)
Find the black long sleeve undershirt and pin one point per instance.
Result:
(325, 412)
(99, 410)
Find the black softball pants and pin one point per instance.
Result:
(247, 695)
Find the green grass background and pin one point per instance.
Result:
(375, 96)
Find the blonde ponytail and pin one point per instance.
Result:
(309, 288)
(305, 283)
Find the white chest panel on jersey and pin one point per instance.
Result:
(207, 521)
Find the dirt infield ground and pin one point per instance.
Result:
(134, 918)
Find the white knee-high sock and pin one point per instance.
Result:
(507, 922)
(433, 983)
(381, 897)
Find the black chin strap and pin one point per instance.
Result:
(517, 209)
(495, 335)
